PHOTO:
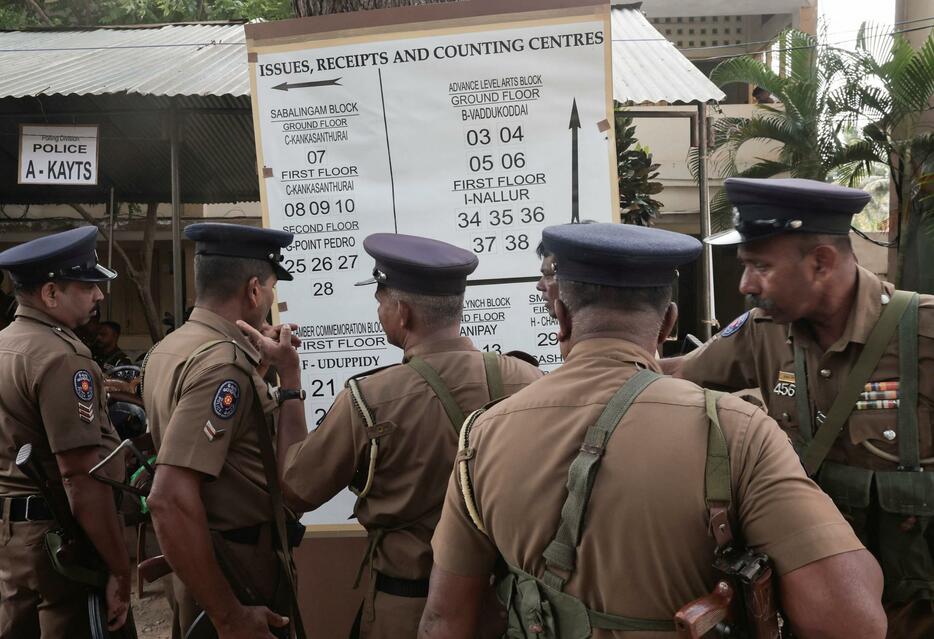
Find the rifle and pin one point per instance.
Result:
(157, 567)
(741, 605)
(71, 552)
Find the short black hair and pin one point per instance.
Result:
(21, 289)
(579, 295)
(114, 326)
(807, 242)
(220, 277)
(434, 311)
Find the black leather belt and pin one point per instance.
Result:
(249, 535)
(28, 508)
(413, 588)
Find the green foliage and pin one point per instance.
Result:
(801, 125)
(19, 13)
(636, 174)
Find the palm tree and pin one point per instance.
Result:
(802, 123)
(887, 87)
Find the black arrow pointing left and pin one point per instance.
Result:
(285, 86)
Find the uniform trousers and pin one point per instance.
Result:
(35, 600)
(258, 563)
(388, 616)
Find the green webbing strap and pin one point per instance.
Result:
(802, 405)
(853, 385)
(430, 375)
(909, 455)
(561, 553)
(717, 471)
(605, 621)
(494, 376)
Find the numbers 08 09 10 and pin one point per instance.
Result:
(319, 207)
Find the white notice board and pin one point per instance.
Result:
(461, 122)
(58, 154)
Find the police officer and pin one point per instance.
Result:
(52, 397)
(606, 523)
(392, 434)
(211, 419)
(845, 366)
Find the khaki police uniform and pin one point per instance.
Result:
(754, 351)
(645, 548)
(203, 416)
(417, 445)
(52, 397)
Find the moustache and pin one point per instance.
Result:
(753, 301)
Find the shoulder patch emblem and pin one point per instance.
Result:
(84, 385)
(735, 325)
(226, 399)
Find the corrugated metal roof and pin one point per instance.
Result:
(165, 60)
(128, 80)
(649, 68)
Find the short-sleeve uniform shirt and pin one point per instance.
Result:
(645, 549)
(417, 448)
(754, 351)
(51, 396)
(204, 417)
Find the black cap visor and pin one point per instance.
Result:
(97, 273)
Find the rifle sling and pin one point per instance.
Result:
(880, 336)
(909, 453)
(278, 512)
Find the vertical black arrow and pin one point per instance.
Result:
(574, 126)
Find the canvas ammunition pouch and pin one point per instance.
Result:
(890, 511)
(539, 608)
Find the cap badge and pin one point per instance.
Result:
(379, 276)
(84, 385)
(226, 399)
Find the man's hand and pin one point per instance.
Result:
(118, 601)
(252, 622)
(276, 345)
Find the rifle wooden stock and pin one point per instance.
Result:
(697, 618)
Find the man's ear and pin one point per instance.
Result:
(49, 293)
(826, 258)
(405, 314)
(565, 322)
(253, 290)
(668, 323)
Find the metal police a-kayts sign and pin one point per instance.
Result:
(58, 154)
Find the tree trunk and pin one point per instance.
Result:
(305, 8)
(141, 277)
